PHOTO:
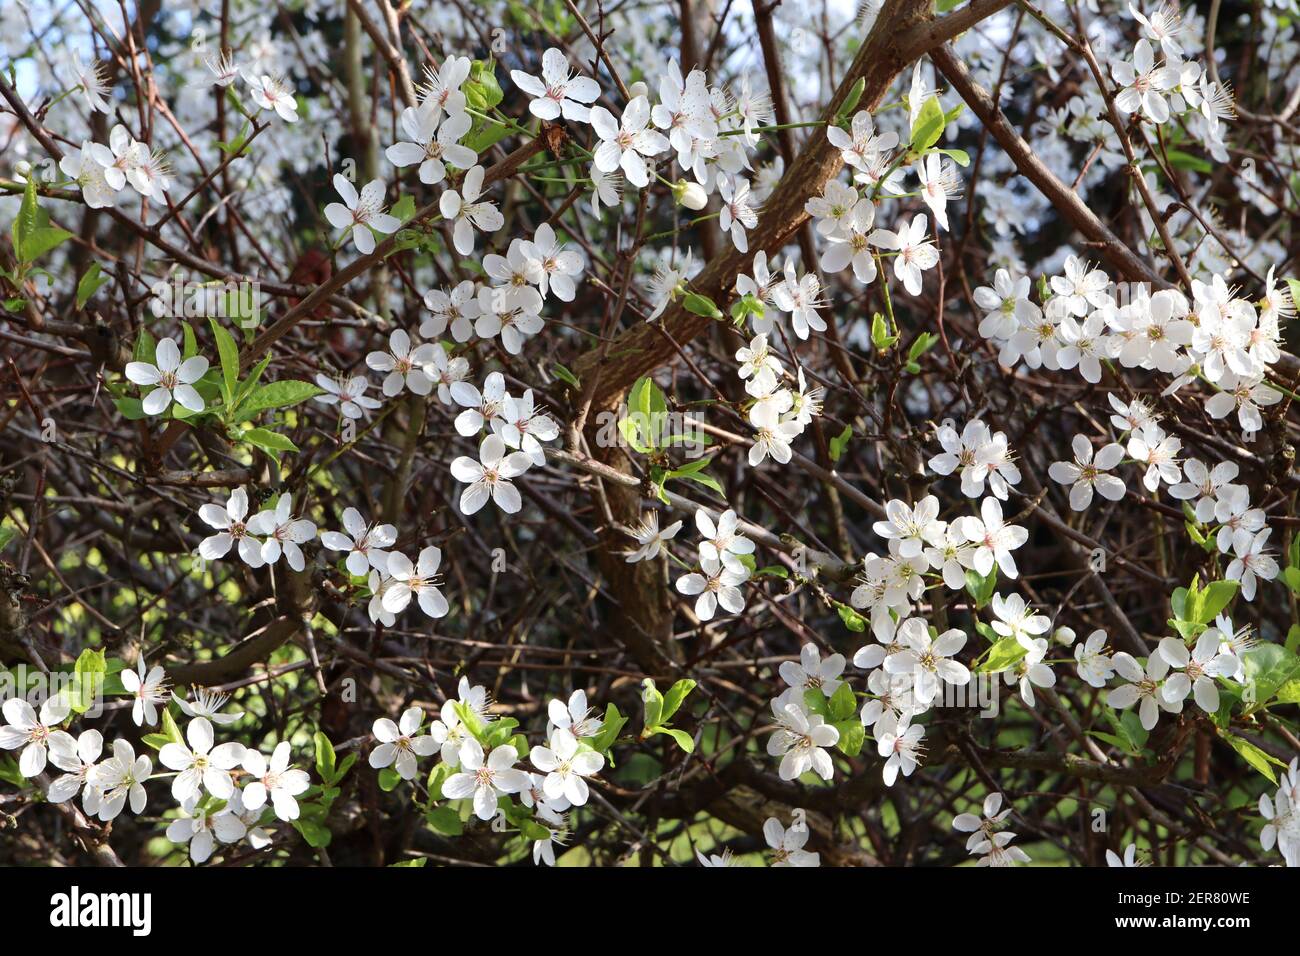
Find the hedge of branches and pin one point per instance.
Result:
(584, 433)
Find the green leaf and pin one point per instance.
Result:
(815, 701)
(1178, 601)
(1128, 725)
(500, 731)
(683, 739)
(404, 208)
(1291, 577)
(609, 730)
(7, 534)
(958, 156)
(1111, 739)
(1268, 667)
(228, 352)
(10, 773)
(316, 834)
(485, 135)
(32, 234)
(1197, 606)
(981, 588)
(852, 736)
(880, 336)
(42, 241)
(156, 741)
(920, 345)
(437, 777)
(325, 757)
(744, 307)
(654, 704)
(146, 348)
(25, 222)
(389, 779)
(851, 101)
(1288, 693)
(88, 680)
(246, 387)
(564, 375)
(647, 408)
(280, 394)
(840, 442)
(843, 703)
(694, 471)
(673, 699)
(169, 728)
(532, 830)
(473, 723)
(132, 409)
(1181, 160)
(236, 145)
(270, 442)
(446, 821)
(1252, 755)
(419, 861)
(631, 433)
(1217, 596)
(851, 618)
(90, 283)
(1006, 653)
(929, 125)
(520, 743)
(701, 305)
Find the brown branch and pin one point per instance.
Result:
(1066, 201)
(903, 31)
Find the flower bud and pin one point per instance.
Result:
(690, 195)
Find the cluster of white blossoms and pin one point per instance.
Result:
(393, 579)
(225, 793)
(486, 774)
(920, 544)
(260, 540)
(1172, 673)
(710, 131)
(981, 454)
(1219, 338)
(845, 214)
(722, 566)
(779, 414)
(987, 839)
(103, 171)
(1217, 343)
(785, 844)
(1161, 85)
(1281, 816)
(269, 91)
